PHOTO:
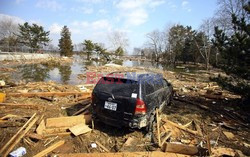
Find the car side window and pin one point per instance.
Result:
(149, 88)
(158, 84)
(165, 83)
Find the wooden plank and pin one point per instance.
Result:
(82, 102)
(165, 138)
(188, 124)
(18, 132)
(84, 97)
(40, 128)
(50, 149)
(47, 94)
(55, 130)
(17, 140)
(5, 124)
(124, 154)
(181, 149)
(35, 136)
(81, 110)
(158, 127)
(80, 129)
(67, 121)
(182, 127)
(102, 146)
(208, 145)
(58, 134)
(8, 116)
(229, 135)
(20, 105)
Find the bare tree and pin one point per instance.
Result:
(8, 33)
(156, 42)
(223, 16)
(203, 40)
(8, 27)
(118, 39)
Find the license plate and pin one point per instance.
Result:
(110, 105)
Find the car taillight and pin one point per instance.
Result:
(140, 107)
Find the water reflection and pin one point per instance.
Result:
(34, 72)
(65, 72)
(68, 73)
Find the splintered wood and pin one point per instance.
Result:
(9, 146)
(80, 129)
(124, 154)
(182, 127)
(44, 94)
(180, 148)
(60, 125)
(49, 149)
(67, 121)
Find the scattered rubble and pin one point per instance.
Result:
(49, 118)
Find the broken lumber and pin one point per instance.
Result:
(102, 146)
(220, 151)
(80, 129)
(8, 116)
(208, 144)
(55, 130)
(67, 121)
(81, 110)
(35, 136)
(165, 138)
(47, 94)
(57, 134)
(229, 135)
(188, 124)
(82, 102)
(182, 127)
(158, 127)
(19, 131)
(84, 97)
(19, 105)
(10, 148)
(40, 128)
(49, 149)
(124, 154)
(180, 148)
(5, 124)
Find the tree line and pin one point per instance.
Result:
(221, 41)
(36, 37)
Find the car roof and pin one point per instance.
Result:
(135, 75)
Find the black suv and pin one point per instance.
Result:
(130, 99)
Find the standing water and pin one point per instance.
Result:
(67, 73)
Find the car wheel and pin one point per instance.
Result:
(149, 128)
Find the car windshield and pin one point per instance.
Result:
(117, 87)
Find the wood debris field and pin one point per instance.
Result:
(54, 119)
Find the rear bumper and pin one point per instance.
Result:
(138, 122)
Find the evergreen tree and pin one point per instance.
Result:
(33, 35)
(99, 49)
(236, 48)
(65, 43)
(89, 46)
(119, 51)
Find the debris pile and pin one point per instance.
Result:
(48, 118)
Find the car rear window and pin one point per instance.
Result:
(117, 86)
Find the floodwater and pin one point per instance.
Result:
(68, 73)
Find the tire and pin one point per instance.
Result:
(149, 128)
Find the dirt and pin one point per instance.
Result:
(190, 103)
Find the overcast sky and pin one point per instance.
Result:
(93, 19)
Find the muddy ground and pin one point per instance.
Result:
(196, 99)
